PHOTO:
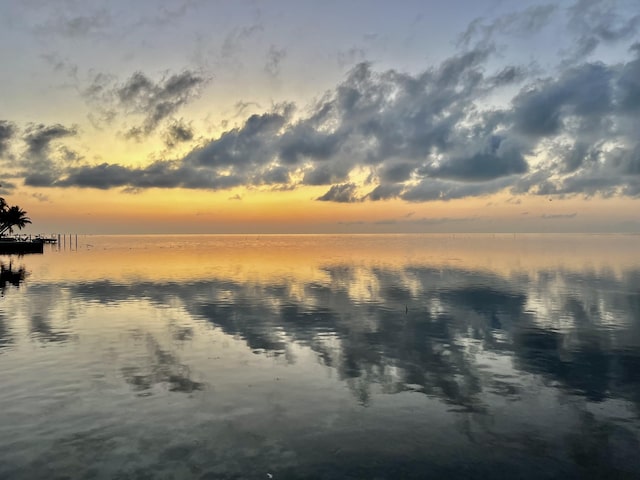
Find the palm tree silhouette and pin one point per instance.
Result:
(11, 217)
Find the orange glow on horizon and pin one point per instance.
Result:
(296, 211)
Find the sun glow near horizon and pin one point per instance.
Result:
(255, 211)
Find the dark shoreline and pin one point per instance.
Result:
(20, 248)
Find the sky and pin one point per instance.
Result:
(195, 116)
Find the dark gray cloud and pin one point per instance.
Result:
(154, 101)
(397, 172)
(161, 174)
(302, 141)
(508, 75)
(582, 93)
(101, 176)
(434, 189)
(384, 191)
(157, 101)
(251, 145)
(39, 168)
(178, 132)
(40, 179)
(498, 157)
(272, 175)
(38, 137)
(628, 85)
(7, 132)
(6, 187)
(342, 193)
(323, 175)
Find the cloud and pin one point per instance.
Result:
(40, 197)
(102, 176)
(628, 85)
(6, 187)
(239, 157)
(396, 172)
(252, 145)
(496, 157)
(583, 93)
(7, 132)
(142, 96)
(507, 76)
(77, 26)
(343, 193)
(178, 132)
(434, 189)
(384, 191)
(595, 22)
(275, 56)
(303, 140)
(525, 22)
(588, 22)
(434, 134)
(157, 101)
(160, 174)
(39, 168)
(594, 118)
(38, 137)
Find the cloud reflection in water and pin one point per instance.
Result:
(526, 363)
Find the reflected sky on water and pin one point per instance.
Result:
(400, 356)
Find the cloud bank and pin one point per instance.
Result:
(435, 134)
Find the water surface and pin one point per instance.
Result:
(386, 356)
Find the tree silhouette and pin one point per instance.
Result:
(11, 217)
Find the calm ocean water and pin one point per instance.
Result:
(373, 357)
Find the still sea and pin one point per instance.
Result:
(322, 357)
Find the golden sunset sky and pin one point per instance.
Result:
(315, 117)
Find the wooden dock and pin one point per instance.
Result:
(23, 244)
